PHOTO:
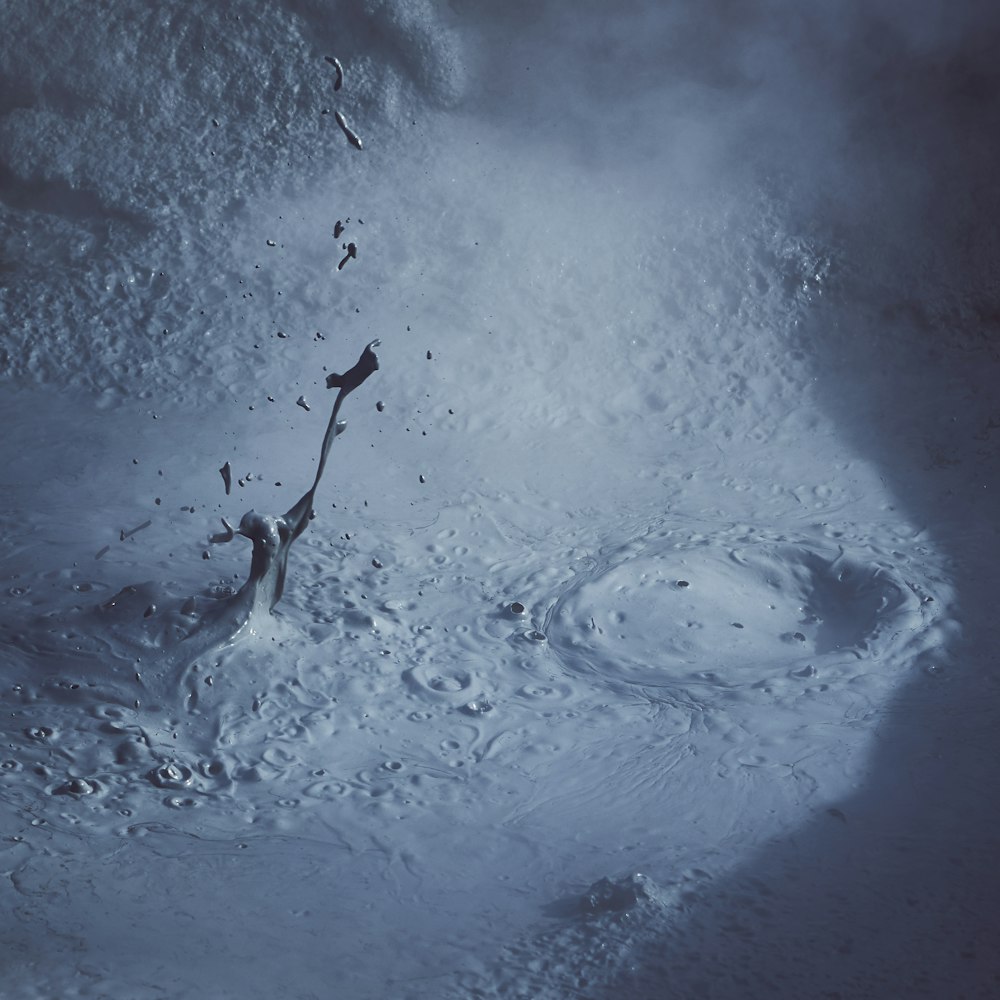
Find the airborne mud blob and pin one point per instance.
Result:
(272, 536)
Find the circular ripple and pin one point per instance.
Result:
(451, 684)
(548, 692)
(769, 605)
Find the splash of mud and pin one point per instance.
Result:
(272, 537)
(147, 683)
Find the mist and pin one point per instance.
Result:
(641, 642)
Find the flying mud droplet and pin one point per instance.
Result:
(352, 254)
(338, 228)
(227, 477)
(338, 80)
(301, 401)
(39, 733)
(352, 137)
(135, 530)
(272, 536)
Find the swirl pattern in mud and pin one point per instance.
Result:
(677, 614)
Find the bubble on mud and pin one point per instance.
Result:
(763, 605)
(449, 682)
(533, 635)
(77, 787)
(171, 775)
(214, 768)
(478, 706)
(436, 684)
(113, 713)
(180, 802)
(545, 692)
(605, 896)
(331, 789)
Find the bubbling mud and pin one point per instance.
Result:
(678, 614)
(145, 685)
(272, 537)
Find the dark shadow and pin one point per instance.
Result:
(58, 197)
(894, 891)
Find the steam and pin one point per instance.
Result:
(865, 115)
